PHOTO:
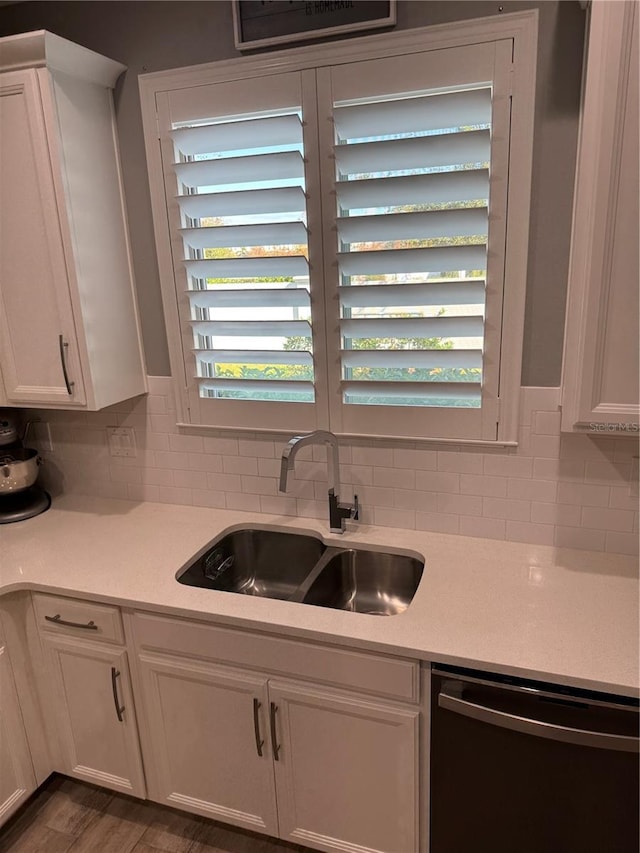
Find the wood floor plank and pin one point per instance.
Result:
(74, 806)
(170, 831)
(117, 830)
(66, 816)
(37, 838)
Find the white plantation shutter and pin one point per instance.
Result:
(413, 183)
(337, 235)
(238, 180)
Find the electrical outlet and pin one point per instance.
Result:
(122, 441)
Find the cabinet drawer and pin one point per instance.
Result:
(76, 618)
(395, 678)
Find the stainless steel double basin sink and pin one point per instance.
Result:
(302, 568)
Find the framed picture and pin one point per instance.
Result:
(262, 23)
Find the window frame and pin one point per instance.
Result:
(522, 29)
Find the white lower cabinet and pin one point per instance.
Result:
(17, 779)
(315, 765)
(95, 718)
(207, 748)
(346, 770)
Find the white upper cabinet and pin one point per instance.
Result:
(601, 382)
(69, 333)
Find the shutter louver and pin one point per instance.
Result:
(412, 187)
(242, 200)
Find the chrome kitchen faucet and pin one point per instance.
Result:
(338, 512)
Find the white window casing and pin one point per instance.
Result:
(371, 197)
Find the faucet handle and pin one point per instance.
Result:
(355, 509)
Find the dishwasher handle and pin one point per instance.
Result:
(538, 728)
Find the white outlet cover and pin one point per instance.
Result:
(122, 441)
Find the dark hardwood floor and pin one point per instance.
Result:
(66, 816)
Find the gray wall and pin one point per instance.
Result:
(151, 36)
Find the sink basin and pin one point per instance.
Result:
(267, 563)
(372, 582)
(301, 568)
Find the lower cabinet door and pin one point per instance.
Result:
(96, 720)
(17, 780)
(206, 742)
(346, 770)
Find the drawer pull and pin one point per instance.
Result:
(114, 686)
(256, 726)
(275, 746)
(58, 620)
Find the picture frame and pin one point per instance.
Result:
(269, 23)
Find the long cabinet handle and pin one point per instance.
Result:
(58, 620)
(275, 746)
(538, 728)
(63, 345)
(114, 686)
(256, 726)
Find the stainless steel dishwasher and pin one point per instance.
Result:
(521, 766)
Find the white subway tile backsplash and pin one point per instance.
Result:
(385, 517)
(507, 509)
(399, 478)
(223, 446)
(259, 485)
(188, 443)
(438, 522)
(224, 482)
(240, 465)
(607, 519)
(563, 514)
(621, 498)
(171, 459)
(571, 491)
(583, 494)
(175, 495)
(377, 456)
(488, 528)
(208, 498)
(460, 504)
(460, 463)
(411, 499)
(408, 458)
(608, 472)
(245, 503)
(157, 476)
(143, 492)
(278, 505)
(204, 462)
(437, 481)
(580, 537)
(621, 543)
(524, 531)
(508, 466)
(190, 479)
(474, 484)
(532, 490)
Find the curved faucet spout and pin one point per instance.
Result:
(337, 511)
(320, 436)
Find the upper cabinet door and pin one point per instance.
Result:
(37, 334)
(601, 381)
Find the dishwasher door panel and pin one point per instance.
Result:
(496, 790)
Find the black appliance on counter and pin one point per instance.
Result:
(20, 496)
(521, 766)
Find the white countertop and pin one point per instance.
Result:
(535, 611)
